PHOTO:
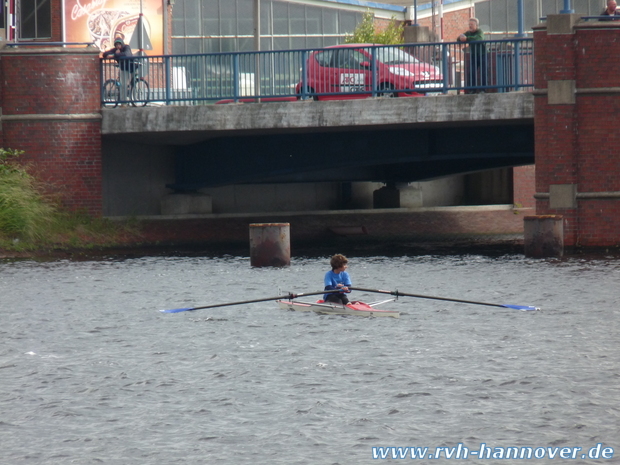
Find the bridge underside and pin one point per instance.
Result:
(360, 154)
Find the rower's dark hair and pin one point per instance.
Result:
(338, 260)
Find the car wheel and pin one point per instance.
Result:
(385, 89)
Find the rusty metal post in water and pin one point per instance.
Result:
(544, 236)
(270, 244)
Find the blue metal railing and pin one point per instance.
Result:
(335, 73)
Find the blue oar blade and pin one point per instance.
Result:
(177, 310)
(521, 307)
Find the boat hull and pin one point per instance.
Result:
(353, 308)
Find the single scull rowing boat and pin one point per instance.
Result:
(328, 308)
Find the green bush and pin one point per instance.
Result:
(24, 212)
(366, 33)
(31, 220)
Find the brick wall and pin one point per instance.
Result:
(576, 140)
(50, 82)
(454, 23)
(524, 179)
(437, 225)
(50, 107)
(57, 10)
(381, 24)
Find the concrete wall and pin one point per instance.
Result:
(135, 177)
(447, 191)
(190, 124)
(255, 198)
(443, 192)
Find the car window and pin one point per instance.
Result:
(394, 56)
(347, 59)
(324, 58)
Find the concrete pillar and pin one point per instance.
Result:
(270, 244)
(543, 236)
(416, 34)
(411, 195)
(386, 197)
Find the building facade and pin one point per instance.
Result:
(204, 26)
(498, 18)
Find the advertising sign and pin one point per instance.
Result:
(102, 21)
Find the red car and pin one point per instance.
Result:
(346, 71)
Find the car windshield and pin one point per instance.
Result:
(394, 56)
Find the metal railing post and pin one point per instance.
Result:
(517, 64)
(167, 79)
(444, 67)
(304, 75)
(236, 78)
(567, 8)
(374, 68)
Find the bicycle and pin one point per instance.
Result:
(137, 90)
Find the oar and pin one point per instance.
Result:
(266, 299)
(397, 293)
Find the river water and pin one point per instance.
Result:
(91, 372)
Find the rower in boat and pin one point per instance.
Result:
(335, 301)
(337, 279)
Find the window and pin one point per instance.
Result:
(585, 7)
(498, 18)
(228, 25)
(35, 19)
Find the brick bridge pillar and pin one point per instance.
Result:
(50, 109)
(577, 100)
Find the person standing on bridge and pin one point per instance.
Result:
(121, 53)
(611, 10)
(337, 279)
(476, 75)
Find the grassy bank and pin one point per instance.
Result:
(32, 220)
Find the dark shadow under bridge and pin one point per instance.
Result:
(381, 139)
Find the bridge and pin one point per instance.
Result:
(296, 116)
(381, 139)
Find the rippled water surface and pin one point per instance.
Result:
(92, 372)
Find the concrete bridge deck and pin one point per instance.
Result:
(185, 125)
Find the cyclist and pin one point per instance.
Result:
(122, 52)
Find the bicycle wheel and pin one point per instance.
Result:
(140, 93)
(111, 93)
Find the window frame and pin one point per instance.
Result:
(42, 21)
